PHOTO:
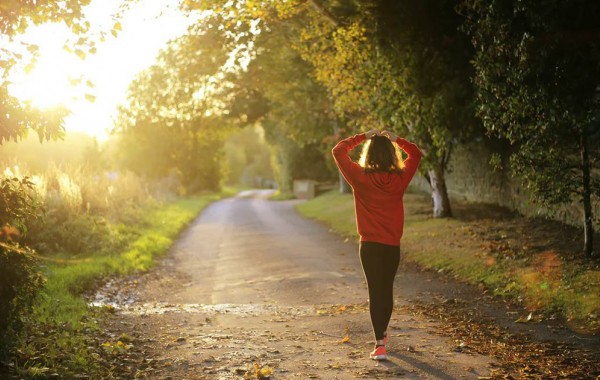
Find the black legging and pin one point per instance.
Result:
(380, 264)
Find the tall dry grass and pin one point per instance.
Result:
(85, 211)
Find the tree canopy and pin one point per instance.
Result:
(174, 119)
(538, 78)
(17, 117)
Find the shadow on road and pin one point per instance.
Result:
(418, 364)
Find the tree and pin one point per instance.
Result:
(386, 64)
(397, 64)
(277, 91)
(20, 278)
(17, 118)
(538, 78)
(248, 158)
(173, 120)
(299, 116)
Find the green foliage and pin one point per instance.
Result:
(16, 202)
(19, 278)
(248, 158)
(292, 161)
(34, 157)
(173, 122)
(19, 282)
(16, 118)
(81, 209)
(297, 113)
(401, 65)
(16, 16)
(537, 77)
(61, 326)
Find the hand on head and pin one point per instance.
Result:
(390, 135)
(374, 132)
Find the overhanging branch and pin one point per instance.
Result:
(325, 12)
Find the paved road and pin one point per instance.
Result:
(250, 250)
(252, 282)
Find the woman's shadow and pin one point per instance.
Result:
(396, 367)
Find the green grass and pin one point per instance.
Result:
(69, 278)
(333, 208)
(282, 196)
(545, 280)
(61, 320)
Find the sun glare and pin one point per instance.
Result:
(50, 82)
(91, 88)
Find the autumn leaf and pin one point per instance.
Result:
(525, 319)
(259, 372)
(116, 29)
(346, 339)
(80, 53)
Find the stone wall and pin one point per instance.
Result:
(472, 178)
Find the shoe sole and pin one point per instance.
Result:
(379, 357)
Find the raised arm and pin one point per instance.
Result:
(350, 170)
(412, 151)
(414, 157)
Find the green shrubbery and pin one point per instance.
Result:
(18, 276)
(64, 212)
(19, 281)
(83, 212)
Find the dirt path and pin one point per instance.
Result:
(251, 285)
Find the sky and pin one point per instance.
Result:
(146, 27)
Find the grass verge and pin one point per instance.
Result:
(282, 196)
(536, 262)
(61, 335)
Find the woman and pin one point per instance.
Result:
(379, 183)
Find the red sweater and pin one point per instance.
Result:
(378, 196)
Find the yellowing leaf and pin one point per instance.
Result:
(116, 29)
(80, 53)
(265, 372)
(525, 319)
(346, 339)
(29, 67)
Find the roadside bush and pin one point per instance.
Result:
(19, 278)
(83, 210)
(19, 282)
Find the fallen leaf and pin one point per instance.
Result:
(525, 319)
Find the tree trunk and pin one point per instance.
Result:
(344, 186)
(588, 226)
(439, 193)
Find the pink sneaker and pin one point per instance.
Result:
(379, 353)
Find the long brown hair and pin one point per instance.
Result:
(379, 154)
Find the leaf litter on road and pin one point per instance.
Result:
(518, 356)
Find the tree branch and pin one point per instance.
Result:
(325, 13)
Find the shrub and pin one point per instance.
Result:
(19, 281)
(19, 278)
